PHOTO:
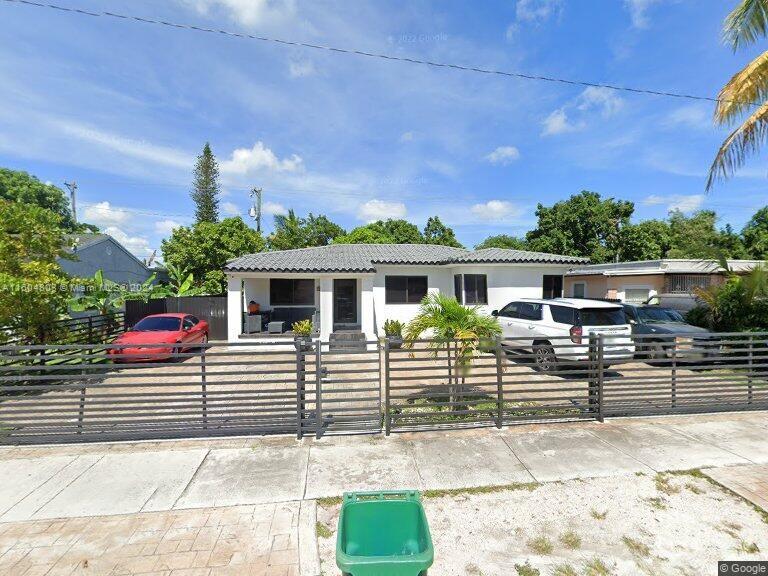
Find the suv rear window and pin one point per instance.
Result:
(562, 314)
(600, 317)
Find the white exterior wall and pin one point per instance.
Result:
(506, 282)
(234, 309)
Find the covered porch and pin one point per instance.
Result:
(333, 302)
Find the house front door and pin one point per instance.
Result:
(345, 301)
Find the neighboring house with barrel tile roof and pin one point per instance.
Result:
(357, 287)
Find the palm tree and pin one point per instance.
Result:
(745, 93)
(450, 324)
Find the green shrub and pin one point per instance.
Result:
(393, 328)
(302, 328)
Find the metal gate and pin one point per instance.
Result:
(339, 387)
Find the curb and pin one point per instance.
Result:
(309, 556)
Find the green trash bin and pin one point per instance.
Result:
(383, 534)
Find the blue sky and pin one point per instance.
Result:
(124, 108)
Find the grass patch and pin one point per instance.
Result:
(596, 567)
(696, 473)
(693, 488)
(570, 540)
(636, 547)
(597, 515)
(322, 530)
(658, 503)
(529, 486)
(663, 485)
(748, 547)
(526, 569)
(330, 501)
(564, 570)
(541, 545)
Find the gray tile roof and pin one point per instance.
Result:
(364, 257)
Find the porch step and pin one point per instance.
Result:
(346, 340)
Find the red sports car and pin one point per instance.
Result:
(180, 331)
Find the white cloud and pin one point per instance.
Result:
(496, 211)
(682, 202)
(138, 245)
(166, 226)
(557, 123)
(139, 149)
(273, 209)
(380, 210)
(259, 157)
(690, 116)
(249, 13)
(511, 31)
(537, 10)
(406, 137)
(593, 98)
(230, 208)
(301, 68)
(443, 168)
(503, 155)
(638, 11)
(604, 99)
(104, 214)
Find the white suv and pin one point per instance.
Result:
(551, 327)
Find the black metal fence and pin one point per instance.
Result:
(212, 309)
(95, 329)
(110, 392)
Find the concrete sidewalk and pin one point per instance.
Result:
(106, 479)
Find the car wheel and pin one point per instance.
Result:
(546, 361)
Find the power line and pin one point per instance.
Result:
(335, 49)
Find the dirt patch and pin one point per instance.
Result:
(598, 526)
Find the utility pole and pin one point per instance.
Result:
(255, 209)
(72, 191)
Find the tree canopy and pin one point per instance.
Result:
(384, 232)
(435, 232)
(503, 241)
(33, 288)
(18, 186)
(583, 225)
(292, 231)
(204, 248)
(205, 188)
(755, 235)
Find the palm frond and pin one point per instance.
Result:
(746, 23)
(741, 143)
(747, 86)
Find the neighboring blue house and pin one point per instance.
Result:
(100, 251)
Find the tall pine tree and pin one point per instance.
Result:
(205, 190)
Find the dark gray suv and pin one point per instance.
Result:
(666, 330)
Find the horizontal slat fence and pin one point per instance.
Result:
(67, 392)
(95, 329)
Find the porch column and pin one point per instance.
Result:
(326, 307)
(367, 312)
(234, 308)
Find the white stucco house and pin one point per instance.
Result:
(358, 287)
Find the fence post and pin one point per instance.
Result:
(81, 406)
(749, 370)
(674, 374)
(600, 376)
(387, 418)
(592, 393)
(318, 390)
(203, 382)
(300, 377)
(499, 384)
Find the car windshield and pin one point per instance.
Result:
(157, 324)
(601, 316)
(651, 314)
